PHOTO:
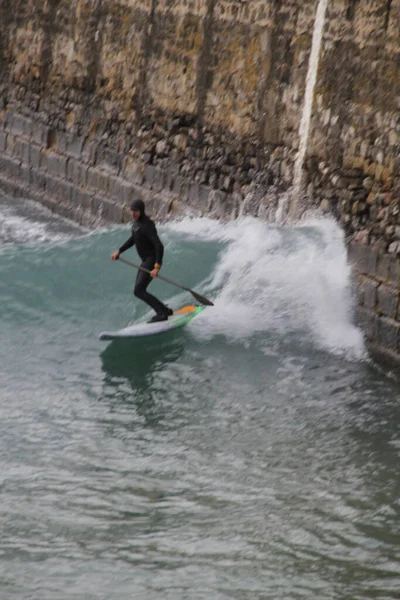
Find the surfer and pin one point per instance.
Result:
(151, 251)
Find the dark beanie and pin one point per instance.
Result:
(138, 205)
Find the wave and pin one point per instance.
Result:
(282, 280)
(268, 281)
(23, 221)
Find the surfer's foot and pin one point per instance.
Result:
(158, 317)
(161, 316)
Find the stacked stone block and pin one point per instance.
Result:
(378, 310)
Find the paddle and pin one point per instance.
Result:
(197, 296)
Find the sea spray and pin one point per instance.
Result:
(281, 280)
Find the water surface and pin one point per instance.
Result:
(253, 454)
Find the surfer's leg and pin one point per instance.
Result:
(140, 291)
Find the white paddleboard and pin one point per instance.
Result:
(181, 317)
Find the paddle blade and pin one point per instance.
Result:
(201, 299)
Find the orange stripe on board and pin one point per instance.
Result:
(184, 310)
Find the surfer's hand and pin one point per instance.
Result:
(115, 255)
(154, 272)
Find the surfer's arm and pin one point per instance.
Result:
(158, 245)
(128, 244)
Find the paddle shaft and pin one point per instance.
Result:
(198, 297)
(158, 276)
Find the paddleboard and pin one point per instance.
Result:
(181, 317)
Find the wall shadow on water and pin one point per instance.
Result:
(131, 368)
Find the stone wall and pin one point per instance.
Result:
(354, 152)
(378, 310)
(196, 104)
(86, 182)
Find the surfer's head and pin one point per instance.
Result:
(137, 209)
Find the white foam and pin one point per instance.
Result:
(24, 221)
(281, 280)
(19, 229)
(207, 229)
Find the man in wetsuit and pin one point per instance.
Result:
(151, 251)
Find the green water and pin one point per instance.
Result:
(253, 454)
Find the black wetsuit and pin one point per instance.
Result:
(151, 251)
